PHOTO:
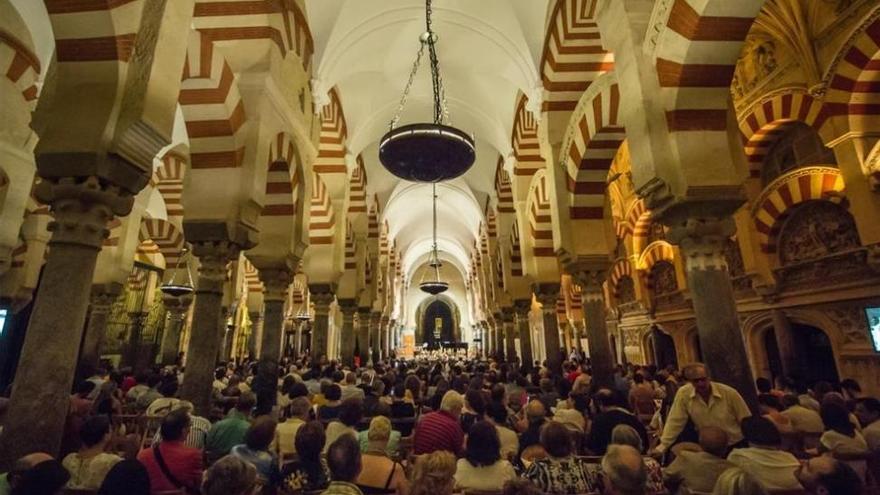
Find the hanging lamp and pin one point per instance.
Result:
(435, 286)
(178, 289)
(426, 152)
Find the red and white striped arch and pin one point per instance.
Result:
(350, 252)
(212, 107)
(322, 223)
(94, 30)
(590, 147)
(384, 247)
(281, 23)
(334, 132)
(165, 236)
(20, 65)
(357, 188)
(638, 219)
(540, 218)
(695, 57)
(503, 189)
(768, 119)
(855, 86)
(515, 254)
(656, 251)
(622, 268)
(169, 182)
(492, 224)
(526, 147)
(283, 179)
(373, 219)
(793, 188)
(251, 276)
(573, 56)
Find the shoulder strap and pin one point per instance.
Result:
(167, 472)
(391, 475)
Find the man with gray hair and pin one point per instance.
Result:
(440, 430)
(199, 427)
(624, 470)
(285, 433)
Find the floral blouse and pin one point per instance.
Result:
(302, 476)
(565, 475)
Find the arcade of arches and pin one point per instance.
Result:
(656, 181)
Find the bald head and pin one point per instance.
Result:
(625, 469)
(535, 410)
(713, 440)
(31, 460)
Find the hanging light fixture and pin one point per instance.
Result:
(435, 286)
(427, 152)
(177, 289)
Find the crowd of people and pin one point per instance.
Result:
(445, 424)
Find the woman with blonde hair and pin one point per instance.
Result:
(380, 475)
(434, 474)
(735, 481)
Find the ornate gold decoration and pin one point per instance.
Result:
(814, 230)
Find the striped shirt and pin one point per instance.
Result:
(438, 431)
(198, 431)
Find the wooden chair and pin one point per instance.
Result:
(149, 428)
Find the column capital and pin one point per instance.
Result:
(255, 316)
(276, 281)
(348, 307)
(547, 294)
(507, 314)
(364, 313)
(522, 307)
(589, 272)
(105, 294)
(375, 318)
(213, 257)
(322, 295)
(82, 208)
(702, 240)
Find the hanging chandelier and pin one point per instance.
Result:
(435, 286)
(178, 289)
(426, 152)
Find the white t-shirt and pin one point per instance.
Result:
(483, 478)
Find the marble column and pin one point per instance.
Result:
(275, 284)
(565, 334)
(389, 337)
(498, 327)
(785, 343)
(177, 308)
(383, 329)
(547, 294)
(363, 334)
(206, 335)
(82, 209)
(522, 308)
(509, 333)
(102, 299)
(348, 307)
(577, 331)
(227, 335)
(702, 241)
(488, 339)
(590, 277)
(256, 318)
(322, 296)
(375, 324)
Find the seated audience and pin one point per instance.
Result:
(138, 389)
(440, 430)
(198, 430)
(380, 474)
(641, 396)
(562, 472)
(610, 415)
(171, 464)
(474, 409)
(350, 389)
(350, 414)
(519, 486)
(127, 477)
(736, 481)
(764, 458)
(392, 443)
(624, 470)
(163, 405)
(548, 396)
(285, 433)
(37, 474)
(230, 475)
(535, 418)
(697, 471)
(868, 412)
(803, 419)
(330, 410)
(824, 475)
(498, 415)
(770, 406)
(482, 467)
(344, 461)
(309, 471)
(840, 436)
(255, 450)
(400, 406)
(626, 435)
(230, 431)
(90, 465)
(434, 473)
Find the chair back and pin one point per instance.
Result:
(170, 492)
(77, 491)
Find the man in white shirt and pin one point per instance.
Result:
(868, 412)
(803, 419)
(705, 403)
(764, 458)
(350, 390)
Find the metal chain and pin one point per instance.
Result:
(412, 75)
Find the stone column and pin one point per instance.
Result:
(590, 277)
(226, 335)
(275, 284)
(375, 323)
(177, 308)
(383, 328)
(82, 209)
(547, 294)
(577, 330)
(256, 318)
(363, 334)
(348, 307)
(206, 335)
(702, 240)
(522, 308)
(785, 342)
(102, 299)
(565, 334)
(498, 327)
(509, 333)
(387, 340)
(322, 296)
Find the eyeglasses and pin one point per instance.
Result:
(701, 379)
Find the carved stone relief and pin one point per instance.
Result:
(814, 230)
(736, 267)
(663, 279)
(657, 232)
(626, 290)
(850, 320)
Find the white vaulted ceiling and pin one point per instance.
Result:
(489, 51)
